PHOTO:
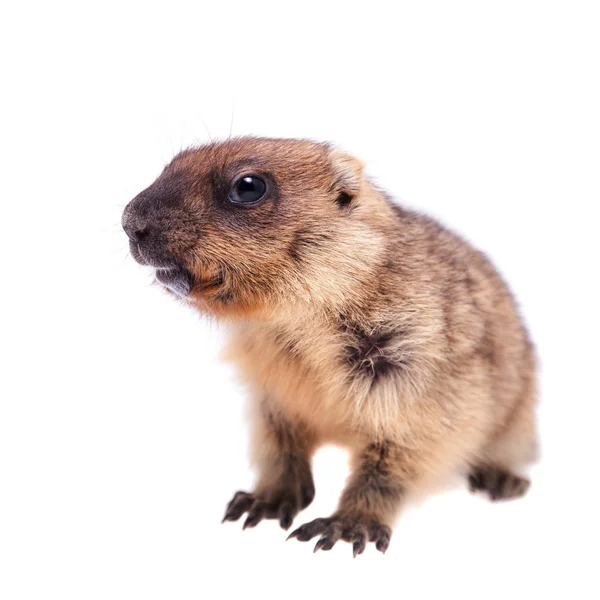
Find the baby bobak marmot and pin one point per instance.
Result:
(354, 321)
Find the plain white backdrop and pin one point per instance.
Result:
(122, 436)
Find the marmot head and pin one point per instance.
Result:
(232, 225)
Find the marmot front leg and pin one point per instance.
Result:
(282, 451)
(369, 502)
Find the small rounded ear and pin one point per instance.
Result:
(347, 176)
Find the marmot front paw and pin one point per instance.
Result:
(357, 529)
(281, 504)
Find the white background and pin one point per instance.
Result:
(122, 437)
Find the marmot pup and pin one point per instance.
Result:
(354, 322)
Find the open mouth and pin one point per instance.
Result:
(180, 281)
(173, 276)
(177, 278)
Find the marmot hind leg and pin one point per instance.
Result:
(509, 451)
(498, 483)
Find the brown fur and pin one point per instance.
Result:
(353, 322)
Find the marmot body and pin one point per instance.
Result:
(354, 322)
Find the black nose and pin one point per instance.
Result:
(136, 232)
(135, 226)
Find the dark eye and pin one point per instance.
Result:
(248, 190)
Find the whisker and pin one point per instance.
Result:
(207, 131)
(232, 115)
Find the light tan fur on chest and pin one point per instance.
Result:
(299, 370)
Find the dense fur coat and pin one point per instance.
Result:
(353, 322)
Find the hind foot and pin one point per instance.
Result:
(499, 484)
